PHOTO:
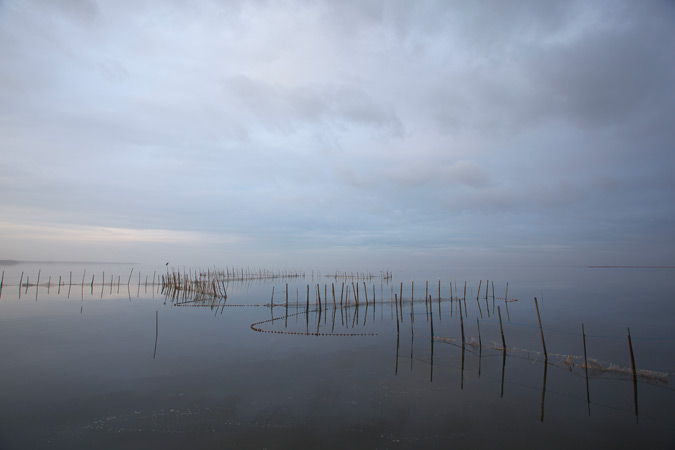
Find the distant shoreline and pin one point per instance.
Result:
(12, 262)
(631, 267)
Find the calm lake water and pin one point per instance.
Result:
(117, 366)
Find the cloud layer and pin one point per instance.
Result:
(302, 126)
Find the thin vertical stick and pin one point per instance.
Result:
(37, 285)
(501, 395)
(461, 322)
(2, 281)
(506, 304)
(451, 299)
(439, 300)
(461, 383)
(397, 346)
(431, 319)
(464, 300)
(431, 369)
(543, 391)
(632, 362)
(480, 343)
(541, 330)
(588, 392)
(480, 310)
(397, 325)
(501, 328)
(156, 332)
(130, 273)
(487, 288)
(374, 302)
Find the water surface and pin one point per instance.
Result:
(124, 366)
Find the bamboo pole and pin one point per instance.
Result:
(632, 362)
(480, 310)
(464, 300)
(461, 322)
(439, 300)
(543, 391)
(588, 392)
(480, 342)
(541, 330)
(156, 332)
(506, 304)
(501, 328)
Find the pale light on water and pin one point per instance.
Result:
(120, 365)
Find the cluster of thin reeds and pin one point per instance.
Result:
(385, 275)
(204, 284)
(242, 274)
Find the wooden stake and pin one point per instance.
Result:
(543, 391)
(466, 311)
(541, 330)
(632, 362)
(501, 328)
(156, 332)
(588, 393)
(461, 322)
(506, 304)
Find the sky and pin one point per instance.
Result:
(354, 132)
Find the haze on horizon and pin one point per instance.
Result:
(268, 133)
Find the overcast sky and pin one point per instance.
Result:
(265, 132)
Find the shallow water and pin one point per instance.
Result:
(117, 366)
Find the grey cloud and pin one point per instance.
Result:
(343, 123)
(283, 107)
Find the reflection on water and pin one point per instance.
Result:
(333, 362)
